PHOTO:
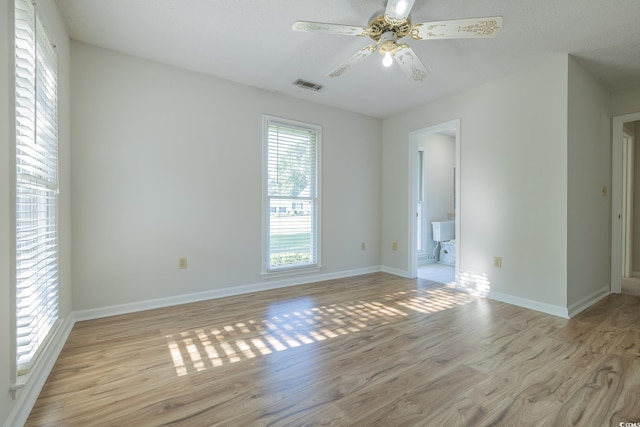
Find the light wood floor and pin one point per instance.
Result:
(631, 286)
(374, 350)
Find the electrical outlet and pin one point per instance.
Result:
(497, 261)
(394, 246)
(182, 263)
(362, 246)
(431, 257)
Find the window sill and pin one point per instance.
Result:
(291, 272)
(18, 384)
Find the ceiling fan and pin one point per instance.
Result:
(387, 27)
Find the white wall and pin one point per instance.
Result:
(439, 164)
(168, 163)
(513, 181)
(589, 169)
(57, 33)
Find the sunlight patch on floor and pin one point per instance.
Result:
(295, 323)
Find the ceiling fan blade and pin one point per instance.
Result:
(410, 63)
(458, 28)
(397, 10)
(359, 56)
(345, 30)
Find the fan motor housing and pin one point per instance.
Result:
(379, 25)
(388, 43)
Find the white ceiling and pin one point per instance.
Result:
(251, 42)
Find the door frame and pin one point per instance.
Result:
(628, 142)
(616, 198)
(414, 139)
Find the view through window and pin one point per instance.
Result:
(291, 191)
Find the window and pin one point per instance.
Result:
(36, 185)
(291, 177)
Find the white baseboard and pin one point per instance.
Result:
(588, 301)
(395, 271)
(95, 313)
(555, 310)
(26, 396)
(552, 309)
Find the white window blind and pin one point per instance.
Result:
(292, 233)
(36, 184)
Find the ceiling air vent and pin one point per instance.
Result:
(308, 85)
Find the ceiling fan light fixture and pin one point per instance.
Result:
(388, 47)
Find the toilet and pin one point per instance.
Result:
(444, 236)
(448, 253)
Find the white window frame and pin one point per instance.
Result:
(30, 143)
(267, 271)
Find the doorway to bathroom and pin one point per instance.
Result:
(434, 156)
(625, 203)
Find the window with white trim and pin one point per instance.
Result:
(36, 184)
(291, 188)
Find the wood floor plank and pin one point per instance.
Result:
(360, 404)
(600, 389)
(371, 350)
(461, 412)
(422, 399)
(618, 311)
(530, 405)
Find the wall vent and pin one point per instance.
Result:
(308, 85)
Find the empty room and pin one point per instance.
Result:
(351, 213)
